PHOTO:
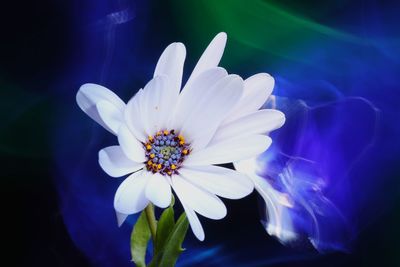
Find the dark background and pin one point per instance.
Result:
(49, 48)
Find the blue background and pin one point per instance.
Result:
(341, 58)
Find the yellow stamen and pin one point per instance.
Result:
(159, 166)
(149, 162)
(185, 151)
(148, 146)
(152, 156)
(166, 132)
(169, 172)
(158, 133)
(181, 142)
(151, 138)
(173, 166)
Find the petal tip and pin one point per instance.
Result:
(200, 237)
(222, 36)
(179, 45)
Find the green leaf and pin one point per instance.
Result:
(139, 239)
(173, 246)
(165, 227)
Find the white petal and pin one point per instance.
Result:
(90, 94)
(199, 200)
(218, 180)
(114, 162)
(209, 109)
(257, 89)
(130, 196)
(194, 222)
(210, 57)
(131, 147)
(230, 150)
(155, 104)
(158, 191)
(171, 64)
(258, 122)
(121, 218)
(201, 86)
(133, 117)
(110, 115)
(160, 105)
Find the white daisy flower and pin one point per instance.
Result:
(174, 138)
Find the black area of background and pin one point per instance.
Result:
(36, 43)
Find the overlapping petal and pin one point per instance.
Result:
(134, 118)
(115, 163)
(158, 190)
(257, 89)
(208, 109)
(199, 200)
(156, 104)
(89, 95)
(131, 147)
(221, 181)
(170, 64)
(194, 222)
(201, 86)
(210, 57)
(231, 150)
(130, 196)
(110, 115)
(258, 122)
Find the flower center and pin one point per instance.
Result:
(165, 152)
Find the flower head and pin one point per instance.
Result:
(165, 152)
(170, 137)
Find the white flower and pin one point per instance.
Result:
(169, 138)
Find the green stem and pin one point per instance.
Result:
(151, 220)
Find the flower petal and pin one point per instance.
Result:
(235, 149)
(158, 191)
(114, 162)
(258, 122)
(130, 196)
(190, 94)
(210, 57)
(90, 94)
(194, 222)
(155, 104)
(110, 115)
(133, 117)
(257, 89)
(131, 147)
(171, 64)
(199, 200)
(218, 180)
(121, 218)
(209, 109)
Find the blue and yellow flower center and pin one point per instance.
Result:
(165, 152)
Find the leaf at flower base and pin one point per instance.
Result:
(139, 239)
(173, 247)
(165, 227)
